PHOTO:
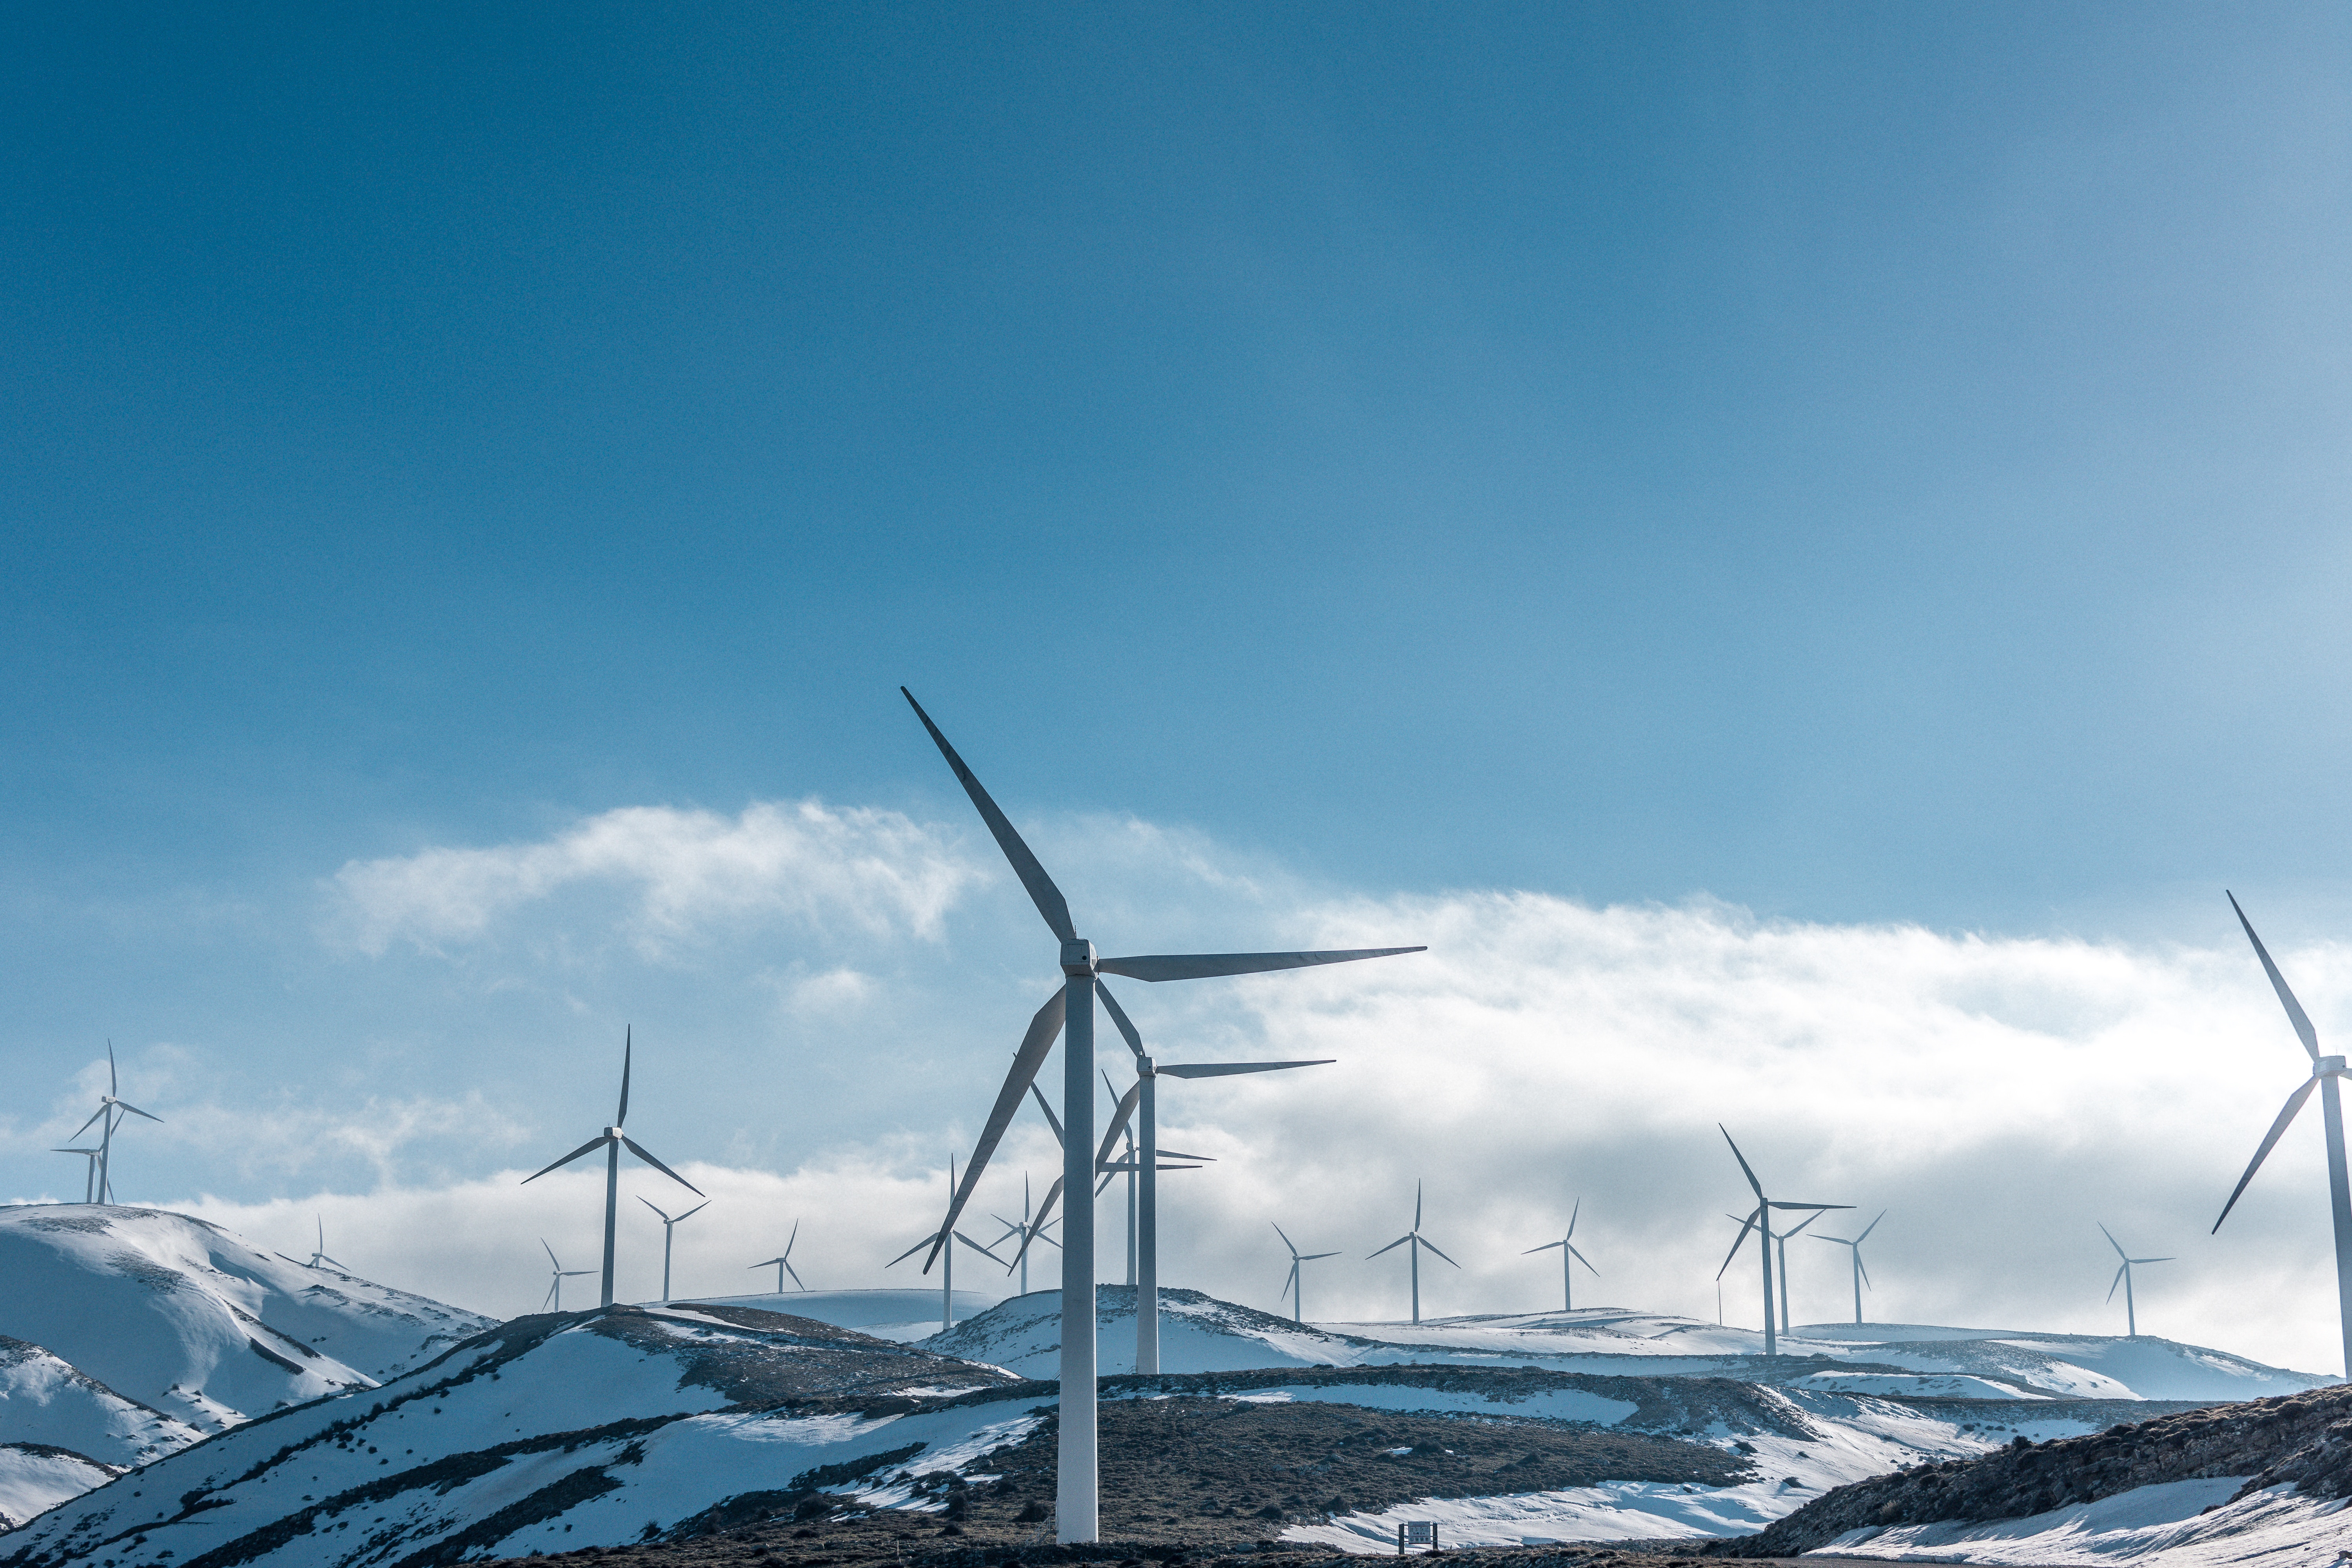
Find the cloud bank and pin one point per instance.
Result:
(861, 980)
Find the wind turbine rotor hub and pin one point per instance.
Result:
(1077, 957)
(612, 1132)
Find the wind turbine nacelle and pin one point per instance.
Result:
(1078, 957)
(2330, 1065)
(612, 1132)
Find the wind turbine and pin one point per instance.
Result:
(1860, 1275)
(1781, 1241)
(319, 1255)
(611, 1140)
(782, 1262)
(1077, 1510)
(553, 1300)
(109, 1112)
(945, 1233)
(1021, 1230)
(2124, 1277)
(1567, 1245)
(1764, 1207)
(90, 1171)
(1147, 1077)
(1292, 1287)
(669, 1225)
(2325, 1071)
(1418, 1241)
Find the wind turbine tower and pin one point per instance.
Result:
(2124, 1277)
(1762, 1214)
(1417, 1241)
(669, 1225)
(2325, 1072)
(88, 1172)
(1077, 1510)
(1860, 1275)
(1294, 1287)
(1568, 1255)
(612, 1139)
(1781, 1241)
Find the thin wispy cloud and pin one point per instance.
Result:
(679, 871)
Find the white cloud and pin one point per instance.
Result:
(876, 871)
(2000, 1096)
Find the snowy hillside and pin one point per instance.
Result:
(180, 1315)
(1200, 1333)
(887, 1314)
(550, 1432)
(35, 1477)
(45, 1402)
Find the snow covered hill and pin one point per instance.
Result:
(1200, 1333)
(179, 1315)
(887, 1314)
(35, 1477)
(550, 1432)
(46, 1403)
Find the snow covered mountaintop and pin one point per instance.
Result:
(1200, 1333)
(179, 1315)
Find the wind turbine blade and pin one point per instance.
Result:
(136, 1111)
(589, 1147)
(1586, 1261)
(2117, 1283)
(1858, 1263)
(93, 1117)
(1777, 1204)
(1808, 1220)
(792, 1272)
(1044, 1028)
(1745, 1227)
(771, 1262)
(1118, 1016)
(628, 1046)
(901, 1259)
(1127, 1103)
(1159, 966)
(1053, 1195)
(977, 1248)
(1179, 1155)
(791, 1239)
(2295, 1013)
(1868, 1228)
(656, 1207)
(1285, 1239)
(1839, 1240)
(1547, 1246)
(1391, 1246)
(2111, 1239)
(637, 1149)
(551, 1253)
(1416, 1207)
(2278, 1130)
(114, 1084)
(706, 1204)
(1311, 1256)
(1227, 1070)
(2140, 1260)
(1432, 1246)
(1744, 1169)
(1042, 892)
(1052, 1120)
(1571, 1219)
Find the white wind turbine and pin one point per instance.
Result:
(90, 1171)
(1077, 1512)
(1418, 1241)
(1566, 1244)
(319, 1254)
(782, 1262)
(1295, 1287)
(553, 1300)
(1764, 1207)
(1860, 1275)
(110, 1114)
(669, 1225)
(943, 1237)
(2325, 1072)
(1781, 1242)
(612, 1139)
(1021, 1230)
(2124, 1277)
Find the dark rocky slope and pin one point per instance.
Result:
(2304, 1439)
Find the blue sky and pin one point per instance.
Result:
(1860, 463)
